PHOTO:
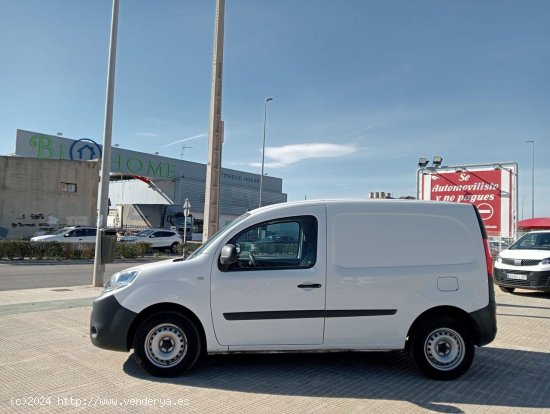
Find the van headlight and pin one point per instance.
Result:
(120, 279)
(498, 259)
(545, 261)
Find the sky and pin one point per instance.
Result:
(361, 88)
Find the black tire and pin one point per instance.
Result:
(442, 348)
(167, 344)
(507, 289)
(174, 247)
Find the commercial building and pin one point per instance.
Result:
(40, 195)
(150, 179)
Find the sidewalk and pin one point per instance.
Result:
(35, 300)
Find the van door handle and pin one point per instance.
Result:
(310, 286)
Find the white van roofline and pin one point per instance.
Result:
(290, 204)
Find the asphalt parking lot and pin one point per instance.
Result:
(48, 364)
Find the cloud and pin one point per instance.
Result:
(146, 134)
(185, 139)
(291, 154)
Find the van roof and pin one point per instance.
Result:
(280, 206)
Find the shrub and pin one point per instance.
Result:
(20, 249)
(46, 250)
(188, 248)
(15, 249)
(87, 250)
(132, 250)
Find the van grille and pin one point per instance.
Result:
(520, 262)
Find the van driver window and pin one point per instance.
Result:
(289, 243)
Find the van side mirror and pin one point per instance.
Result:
(229, 255)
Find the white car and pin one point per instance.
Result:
(525, 264)
(158, 238)
(74, 234)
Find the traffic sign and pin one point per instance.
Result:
(186, 207)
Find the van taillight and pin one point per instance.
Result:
(488, 258)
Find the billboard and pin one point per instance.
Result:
(491, 189)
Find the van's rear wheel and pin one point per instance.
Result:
(507, 289)
(442, 348)
(167, 344)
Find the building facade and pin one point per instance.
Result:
(140, 178)
(41, 195)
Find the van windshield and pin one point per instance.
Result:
(218, 235)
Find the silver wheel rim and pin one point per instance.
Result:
(165, 345)
(444, 349)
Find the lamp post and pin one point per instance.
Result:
(531, 141)
(103, 193)
(263, 152)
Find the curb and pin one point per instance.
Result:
(25, 262)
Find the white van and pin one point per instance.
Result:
(525, 264)
(352, 275)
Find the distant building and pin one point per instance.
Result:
(40, 195)
(150, 179)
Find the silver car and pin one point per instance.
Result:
(158, 238)
(73, 234)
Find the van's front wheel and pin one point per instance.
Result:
(442, 348)
(166, 344)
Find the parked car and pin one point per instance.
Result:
(277, 239)
(273, 243)
(497, 246)
(366, 275)
(159, 239)
(525, 264)
(73, 234)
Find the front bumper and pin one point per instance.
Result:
(524, 279)
(110, 323)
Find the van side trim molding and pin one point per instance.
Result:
(305, 314)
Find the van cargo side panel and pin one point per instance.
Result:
(390, 256)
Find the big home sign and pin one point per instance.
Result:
(490, 190)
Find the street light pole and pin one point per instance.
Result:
(103, 196)
(531, 141)
(263, 152)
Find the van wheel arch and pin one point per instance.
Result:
(166, 307)
(458, 314)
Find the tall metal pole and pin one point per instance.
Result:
(213, 166)
(531, 141)
(263, 152)
(103, 196)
